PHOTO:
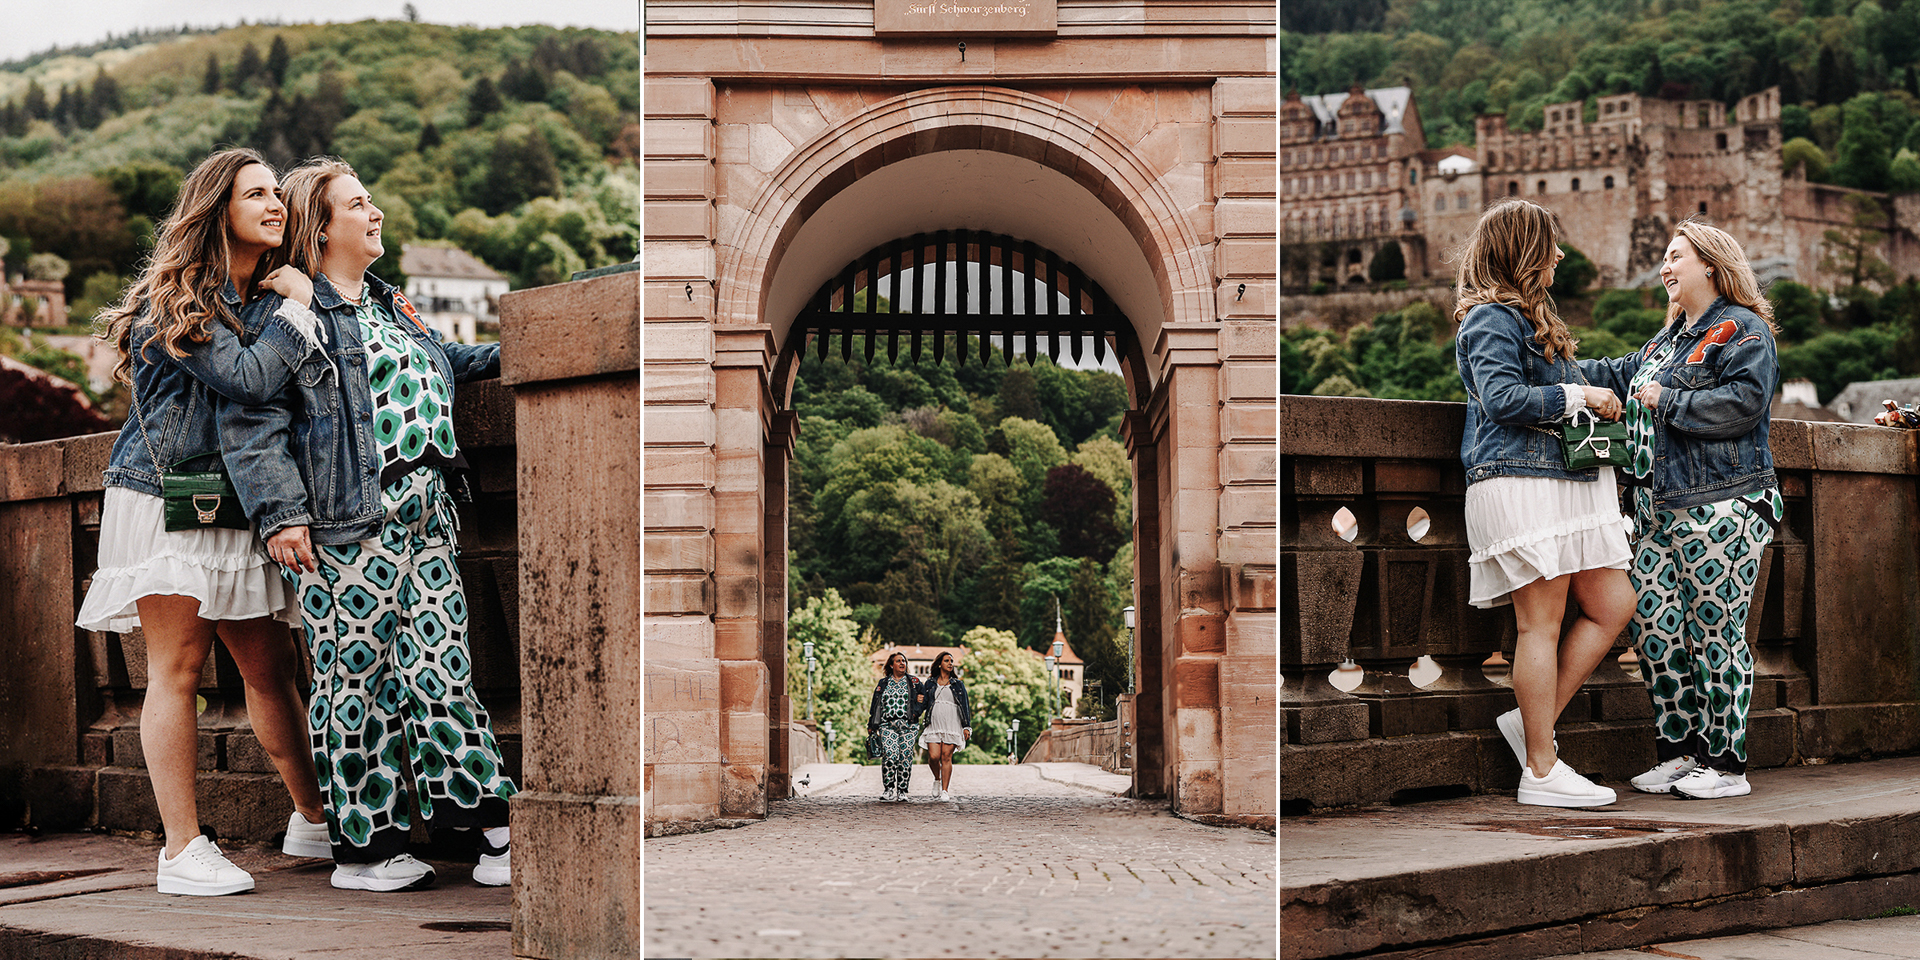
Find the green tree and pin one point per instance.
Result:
(1851, 250)
(1836, 358)
(1799, 151)
(1796, 309)
(1863, 154)
(1574, 275)
(1004, 683)
(843, 679)
(1091, 613)
(278, 57)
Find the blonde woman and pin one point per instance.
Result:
(1539, 531)
(1705, 506)
(205, 320)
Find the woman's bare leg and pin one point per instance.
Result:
(264, 651)
(1538, 608)
(178, 641)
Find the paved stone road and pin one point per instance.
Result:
(1019, 866)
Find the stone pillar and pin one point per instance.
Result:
(783, 428)
(1149, 752)
(682, 673)
(571, 353)
(742, 356)
(1193, 617)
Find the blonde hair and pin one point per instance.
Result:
(1506, 260)
(308, 209)
(179, 286)
(1731, 274)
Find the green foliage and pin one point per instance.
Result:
(843, 679)
(1796, 309)
(1799, 151)
(1574, 274)
(1834, 359)
(1004, 683)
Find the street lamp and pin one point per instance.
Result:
(807, 651)
(827, 725)
(1013, 737)
(1053, 687)
(1098, 705)
(1133, 650)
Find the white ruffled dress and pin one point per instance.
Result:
(943, 724)
(1523, 529)
(228, 571)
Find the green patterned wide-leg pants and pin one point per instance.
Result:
(386, 623)
(897, 747)
(1694, 571)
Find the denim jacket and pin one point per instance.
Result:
(308, 457)
(1710, 426)
(925, 707)
(177, 396)
(1511, 388)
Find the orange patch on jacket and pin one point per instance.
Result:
(1721, 333)
(405, 306)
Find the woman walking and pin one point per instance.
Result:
(1539, 531)
(1705, 507)
(351, 474)
(943, 698)
(890, 718)
(199, 324)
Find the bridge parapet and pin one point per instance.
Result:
(1834, 637)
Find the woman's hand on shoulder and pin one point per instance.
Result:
(290, 283)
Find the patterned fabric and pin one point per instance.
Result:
(896, 735)
(413, 406)
(1640, 419)
(1694, 571)
(386, 623)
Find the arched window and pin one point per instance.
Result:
(1440, 202)
(1576, 185)
(1541, 187)
(1366, 178)
(1513, 188)
(1720, 140)
(1350, 180)
(1460, 201)
(1607, 183)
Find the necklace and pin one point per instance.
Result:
(341, 289)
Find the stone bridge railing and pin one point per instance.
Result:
(1837, 612)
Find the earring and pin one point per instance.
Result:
(323, 238)
(1709, 273)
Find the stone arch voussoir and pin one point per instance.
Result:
(966, 118)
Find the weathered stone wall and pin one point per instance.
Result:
(1835, 633)
(70, 710)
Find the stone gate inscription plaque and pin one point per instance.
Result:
(966, 18)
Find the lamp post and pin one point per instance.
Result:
(1133, 650)
(1053, 687)
(807, 651)
(1013, 737)
(827, 725)
(1099, 706)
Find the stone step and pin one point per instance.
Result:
(1487, 878)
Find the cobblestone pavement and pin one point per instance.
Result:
(1018, 866)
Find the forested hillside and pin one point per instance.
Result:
(930, 501)
(519, 145)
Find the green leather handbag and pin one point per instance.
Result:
(1588, 441)
(200, 501)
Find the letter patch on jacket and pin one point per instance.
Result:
(1720, 334)
(402, 304)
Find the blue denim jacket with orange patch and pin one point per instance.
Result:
(1711, 422)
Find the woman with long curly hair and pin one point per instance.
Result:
(1539, 532)
(943, 700)
(214, 314)
(1706, 503)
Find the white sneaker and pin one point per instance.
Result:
(495, 868)
(1707, 783)
(1515, 731)
(306, 839)
(1662, 777)
(395, 873)
(201, 870)
(944, 795)
(1562, 787)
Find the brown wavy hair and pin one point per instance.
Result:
(1732, 275)
(308, 210)
(1505, 260)
(178, 290)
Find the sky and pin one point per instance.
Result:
(83, 22)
